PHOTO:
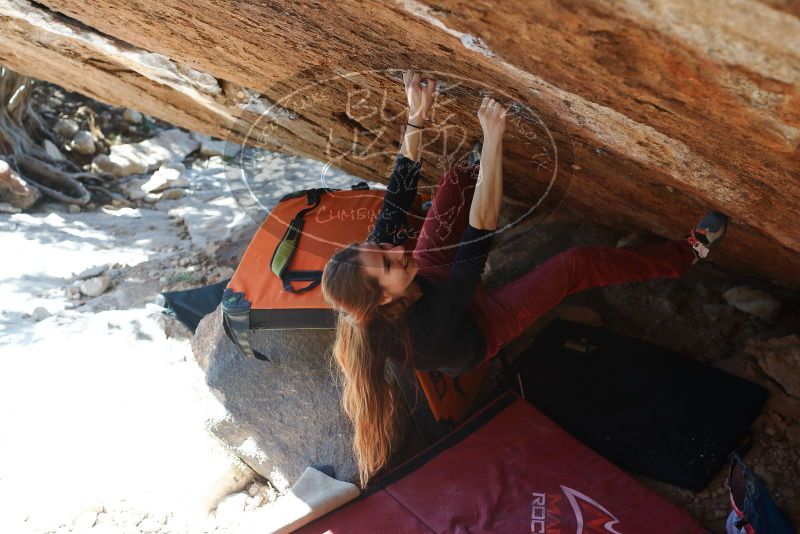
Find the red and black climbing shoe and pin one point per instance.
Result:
(707, 232)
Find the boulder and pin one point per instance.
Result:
(284, 415)
(672, 107)
(780, 359)
(754, 302)
(170, 146)
(14, 190)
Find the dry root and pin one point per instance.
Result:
(19, 124)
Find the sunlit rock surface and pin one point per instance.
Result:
(642, 114)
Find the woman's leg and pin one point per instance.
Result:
(506, 311)
(445, 222)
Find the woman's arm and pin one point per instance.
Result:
(488, 196)
(419, 102)
(402, 188)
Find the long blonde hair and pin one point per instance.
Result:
(367, 333)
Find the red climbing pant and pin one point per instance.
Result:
(504, 312)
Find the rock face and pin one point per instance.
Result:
(780, 359)
(285, 414)
(642, 114)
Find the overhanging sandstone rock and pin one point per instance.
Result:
(656, 110)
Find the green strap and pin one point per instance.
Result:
(284, 252)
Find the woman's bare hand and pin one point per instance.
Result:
(493, 119)
(419, 98)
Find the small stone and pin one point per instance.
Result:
(212, 147)
(91, 272)
(132, 116)
(94, 287)
(754, 302)
(102, 163)
(74, 208)
(133, 189)
(52, 150)
(152, 198)
(66, 128)
(172, 194)
(169, 175)
(83, 143)
(73, 293)
(40, 314)
(253, 489)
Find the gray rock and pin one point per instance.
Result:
(132, 116)
(284, 415)
(73, 293)
(212, 147)
(83, 143)
(52, 150)
(40, 313)
(754, 302)
(168, 176)
(780, 359)
(132, 189)
(94, 287)
(173, 194)
(66, 128)
(91, 272)
(74, 208)
(102, 163)
(169, 146)
(14, 190)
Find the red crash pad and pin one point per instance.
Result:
(509, 469)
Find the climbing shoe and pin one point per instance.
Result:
(707, 232)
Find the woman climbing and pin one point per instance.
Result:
(427, 308)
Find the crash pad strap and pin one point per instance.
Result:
(236, 322)
(288, 245)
